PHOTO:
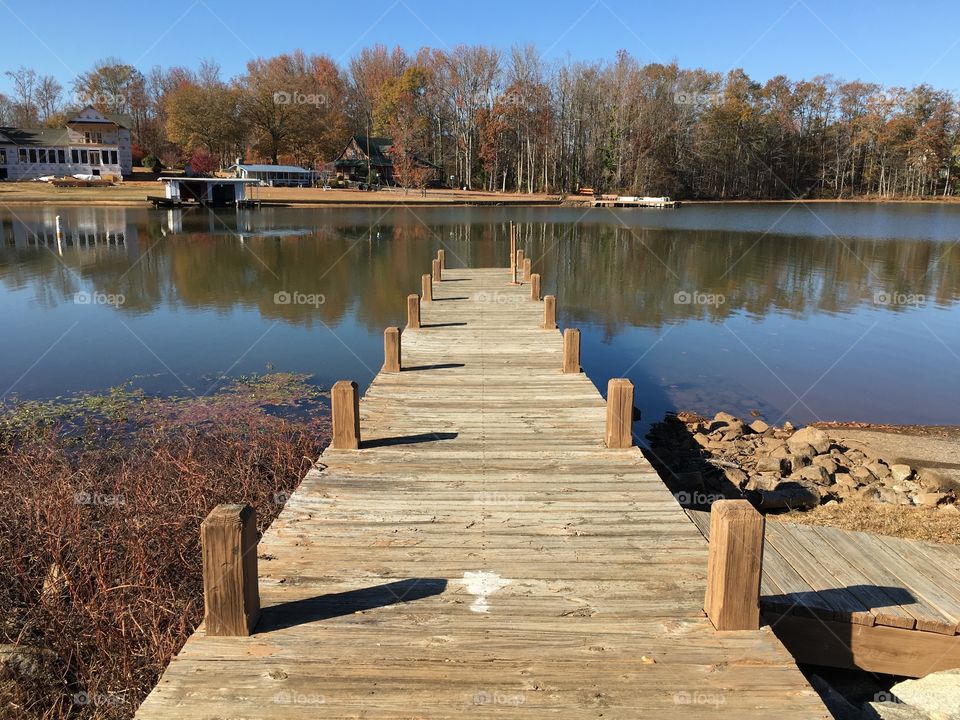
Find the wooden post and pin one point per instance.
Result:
(527, 268)
(391, 349)
(571, 350)
(535, 286)
(426, 288)
(732, 601)
(231, 596)
(619, 413)
(345, 410)
(442, 257)
(413, 312)
(436, 270)
(549, 312)
(519, 260)
(513, 253)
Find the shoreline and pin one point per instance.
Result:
(133, 193)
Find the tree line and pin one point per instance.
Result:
(516, 121)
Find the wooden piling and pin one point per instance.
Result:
(527, 268)
(549, 312)
(426, 288)
(413, 312)
(436, 271)
(513, 253)
(442, 257)
(391, 348)
(732, 600)
(519, 263)
(535, 286)
(619, 413)
(345, 411)
(571, 350)
(228, 537)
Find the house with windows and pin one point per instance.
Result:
(370, 159)
(93, 144)
(274, 175)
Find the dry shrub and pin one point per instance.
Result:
(100, 566)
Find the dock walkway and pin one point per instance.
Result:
(483, 553)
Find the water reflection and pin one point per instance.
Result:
(200, 288)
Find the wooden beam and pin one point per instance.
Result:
(535, 287)
(549, 312)
(231, 597)
(874, 648)
(527, 269)
(437, 272)
(571, 350)
(442, 257)
(619, 413)
(413, 312)
(732, 600)
(426, 288)
(391, 348)
(513, 253)
(345, 410)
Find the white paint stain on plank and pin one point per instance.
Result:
(482, 584)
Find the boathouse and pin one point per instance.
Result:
(275, 175)
(209, 192)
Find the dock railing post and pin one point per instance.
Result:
(442, 257)
(426, 288)
(535, 286)
(513, 253)
(519, 262)
(619, 413)
(345, 412)
(413, 312)
(732, 600)
(571, 350)
(527, 268)
(391, 349)
(436, 271)
(231, 596)
(549, 312)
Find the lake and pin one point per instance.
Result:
(802, 312)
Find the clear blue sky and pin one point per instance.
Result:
(893, 43)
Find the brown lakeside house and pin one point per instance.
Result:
(370, 159)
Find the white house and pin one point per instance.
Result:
(274, 175)
(92, 143)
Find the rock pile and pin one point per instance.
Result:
(782, 467)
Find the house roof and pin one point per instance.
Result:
(270, 168)
(379, 153)
(37, 137)
(118, 119)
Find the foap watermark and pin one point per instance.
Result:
(894, 298)
(85, 497)
(696, 297)
(885, 696)
(99, 298)
(101, 98)
(97, 699)
(698, 98)
(498, 697)
(698, 697)
(298, 97)
(498, 498)
(289, 697)
(280, 498)
(498, 298)
(686, 499)
(299, 298)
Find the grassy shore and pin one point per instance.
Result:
(101, 499)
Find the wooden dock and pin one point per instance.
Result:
(853, 599)
(484, 552)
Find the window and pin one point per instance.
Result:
(94, 157)
(113, 158)
(83, 157)
(22, 154)
(92, 138)
(3, 156)
(61, 156)
(75, 156)
(33, 156)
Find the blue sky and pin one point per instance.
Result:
(881, 41)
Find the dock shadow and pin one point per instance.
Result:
(437, 366)
(436, 299)
(324, 607)
(440, 325)
(407, 440)
(821, 603)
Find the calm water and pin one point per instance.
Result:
(835, 312)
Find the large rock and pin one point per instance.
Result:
(893, 711)
(937, 694)
(845, 480)
(862, 474)
(811, 474)
(772, 463)
(901, 473)
(827, 463)
(802, 455)
(930, 499)
(812, 436)
(879, 468)
(789, 494)
(759, 426)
